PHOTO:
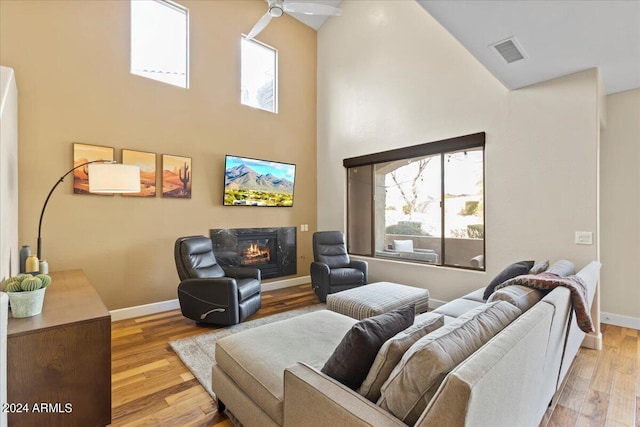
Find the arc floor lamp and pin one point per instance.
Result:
(105, 176)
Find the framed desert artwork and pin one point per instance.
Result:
(176, 176)
(147, 164)
(84, 153)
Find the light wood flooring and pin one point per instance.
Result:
(151, 386)
(603, 387)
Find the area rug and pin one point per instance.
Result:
(198, 352)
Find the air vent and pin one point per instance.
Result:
(509, 50)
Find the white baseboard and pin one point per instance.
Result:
(144, 310)
(270, 286)
(593, 341)
(620, 320)
(159, 307)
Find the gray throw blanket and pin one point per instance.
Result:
(549, 281)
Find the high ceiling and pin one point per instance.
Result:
(558, 37)
(314, 21)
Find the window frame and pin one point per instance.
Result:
(179, 8)
(243, 37)
(441, 147)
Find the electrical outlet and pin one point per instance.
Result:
(584, 238)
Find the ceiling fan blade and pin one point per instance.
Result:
(260, 25)
(311, 9)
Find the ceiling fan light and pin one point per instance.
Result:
(276, 11)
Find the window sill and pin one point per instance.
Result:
(405, 261)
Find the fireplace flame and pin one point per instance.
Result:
(254, 254)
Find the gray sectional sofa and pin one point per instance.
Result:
(270, 375)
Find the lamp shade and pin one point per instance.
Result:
(114, 178)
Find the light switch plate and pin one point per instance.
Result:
(584, 238)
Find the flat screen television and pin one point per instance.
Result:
(253, 182)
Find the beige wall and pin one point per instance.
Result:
(620, 205)
(550, 158)
(9, 261)
(71, 60)
(390, 76)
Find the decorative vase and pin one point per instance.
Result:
(26, 304)
(32, 265)
(44, 267)
(25, 251)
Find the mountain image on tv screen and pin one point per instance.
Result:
(253, 182)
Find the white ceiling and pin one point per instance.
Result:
(559, 37)
(314, 21)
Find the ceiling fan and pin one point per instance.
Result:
(278, 7)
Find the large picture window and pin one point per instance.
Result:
(422, 203)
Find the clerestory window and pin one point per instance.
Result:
(160, 41)
(423, 203)
(259, 75)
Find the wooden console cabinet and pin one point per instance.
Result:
(59, 362)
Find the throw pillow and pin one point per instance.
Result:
(515, 269)
(392, 351)
(403, 245)
(424, 366)
(521, 296)
(562, 267)
(539, 267)
(351, 360)
(477, 261)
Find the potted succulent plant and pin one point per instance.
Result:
(26, 293)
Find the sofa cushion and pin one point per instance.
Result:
(521, 296)
(457, 307)
(353, 357)
(392, 351)
(403, 245)
(562, 267)
(539, 267)
(513, 270)
(417, 377)
(476, 295)
(255, 359)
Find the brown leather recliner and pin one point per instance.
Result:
(209, 293)
(332, 269)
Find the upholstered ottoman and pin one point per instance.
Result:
(377, 298)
